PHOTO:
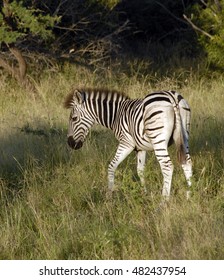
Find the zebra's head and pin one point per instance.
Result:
(79, 121)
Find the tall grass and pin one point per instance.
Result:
(54, 203)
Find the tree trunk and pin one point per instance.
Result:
(19, 73)
(21, 70)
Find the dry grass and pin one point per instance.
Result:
(54, 203)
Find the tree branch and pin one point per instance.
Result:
(195, 27)
(19, 73)
(170, 13)
(21, 61)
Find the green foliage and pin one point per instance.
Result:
(5, 34)
(17, 21)
(210, 20)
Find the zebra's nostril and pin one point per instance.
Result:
(71, 142)
(78, 145)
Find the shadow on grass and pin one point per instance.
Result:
(45, 148)
(27, 148)
(27, 141)
(40, 148)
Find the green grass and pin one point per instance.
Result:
(54, 203)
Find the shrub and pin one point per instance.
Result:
(207, 18)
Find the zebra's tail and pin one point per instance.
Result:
(178, 135)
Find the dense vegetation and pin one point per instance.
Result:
(53, 201)
(99, 31)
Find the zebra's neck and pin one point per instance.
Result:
(104, 106)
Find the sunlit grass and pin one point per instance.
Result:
(54, 202)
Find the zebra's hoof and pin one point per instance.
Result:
(109, 194)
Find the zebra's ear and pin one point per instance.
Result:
(78, 96)
(73, 98)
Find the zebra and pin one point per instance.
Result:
(151, 123)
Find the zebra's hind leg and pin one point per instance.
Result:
(141, 157)
(166, 168)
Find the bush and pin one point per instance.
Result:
(207, 18)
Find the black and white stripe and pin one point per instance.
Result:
(151, 123)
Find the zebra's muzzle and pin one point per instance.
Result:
(73, 144)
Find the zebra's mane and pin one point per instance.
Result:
(94, 94)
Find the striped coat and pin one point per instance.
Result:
(151, 123)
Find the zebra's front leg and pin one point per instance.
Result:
(122, 152)
(141, 157)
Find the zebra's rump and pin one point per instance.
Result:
(160, 116)
(162, 96)
(157, 106)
